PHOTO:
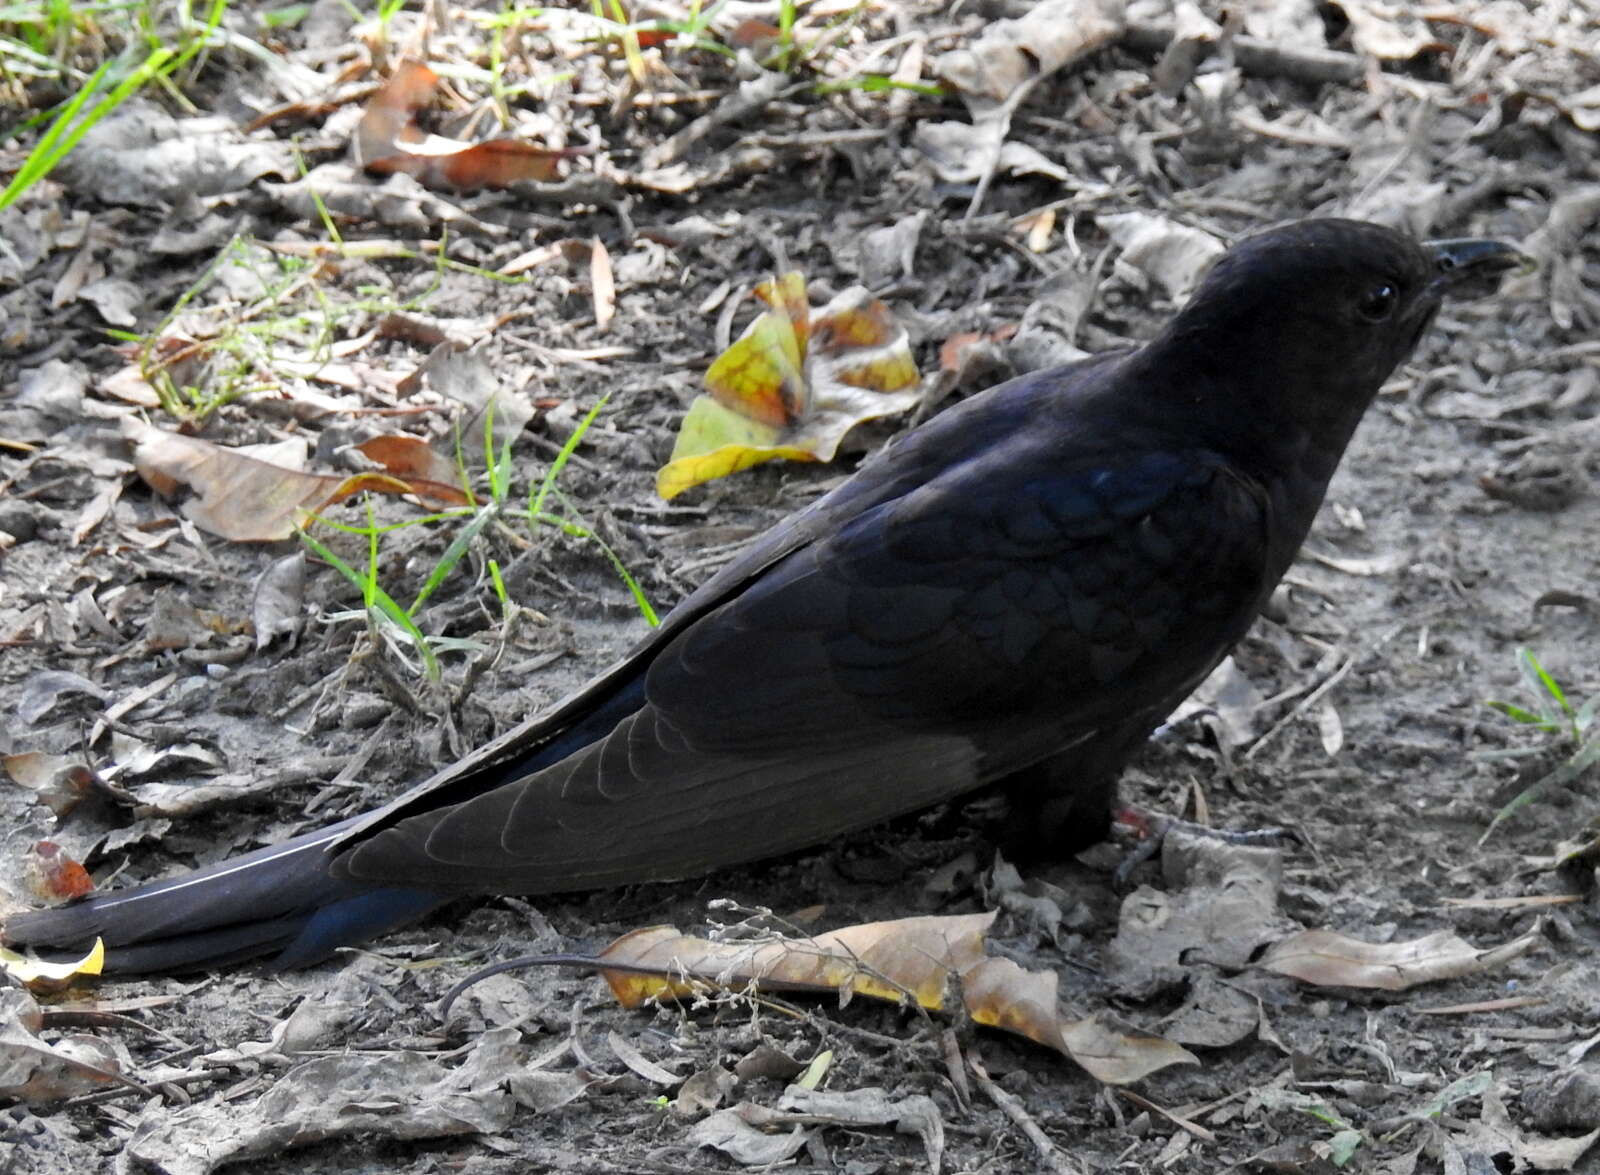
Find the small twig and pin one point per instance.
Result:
(1321, 691)
(956, 1070)
(489, 658)
(1182, 1123)
(198, 1077)
(1018, 1113)
(1261, 58)
(751, 97)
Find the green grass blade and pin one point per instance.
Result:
(453, 554)
(1588, 755)
(548, 484)
(376, 599)
(1540, 682)
(63, 135)
(579, 531)
(1527, 717)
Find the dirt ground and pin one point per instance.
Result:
(1460, 529)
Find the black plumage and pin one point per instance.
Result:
(1015, 593)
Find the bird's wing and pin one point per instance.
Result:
(933, 643)
(965, 433)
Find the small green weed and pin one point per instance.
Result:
(1554, 714)
(393, 623)
(45, 35)
(202, 356)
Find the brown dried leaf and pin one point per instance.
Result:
(35, 1072)
(52, 875)
(246, 499)
(1328, 959)
(907, 958)
(388, 140)
(60, 782)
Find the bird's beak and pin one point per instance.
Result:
(1468, 267)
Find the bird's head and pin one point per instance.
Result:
(1304, 322)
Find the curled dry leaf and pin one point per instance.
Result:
(1013, 55)
(1388, 32)
(59, 782)
(1172, 254)
(389, 140)
(35, 1072)
(43, 978)
(747, 1132)
(245, 499)
(52, 875)
(793, 385)
(907, 958)
(1327, 959)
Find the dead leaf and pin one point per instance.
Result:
(52, 875)
(907, 958)
(59, 782)
(1494, 1133)
(603, 285)
(1233, 698)
(35, 1072)
(497, 411)
(704, 1091)
(1220, 908)
(953, 354)
(1327, 959)
(411, 458)
(388, 140)
(40, 977)
(42, 691)
(767, 1060)
(793, 385)
(390, 1095)
(746, 1132)
(277, 599)
(1331, 728)
(1388, 32)
(728, 1132)
(241, 497)
(1172, 254)
(1013, 55)
(638, 1062)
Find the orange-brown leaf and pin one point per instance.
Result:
(918, 959)
(54, 876)
(244, 498)
(388, 140)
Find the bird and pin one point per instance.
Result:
(1012, 595)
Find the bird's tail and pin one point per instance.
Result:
(278, 899)
(284, 899)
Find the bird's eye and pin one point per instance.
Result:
(1378, 302)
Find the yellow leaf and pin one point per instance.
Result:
(759, 376)
(39, 976)
(774, 396)
(714, 441)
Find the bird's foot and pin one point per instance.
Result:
(1152, 828)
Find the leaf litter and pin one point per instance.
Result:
(1205, 123)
